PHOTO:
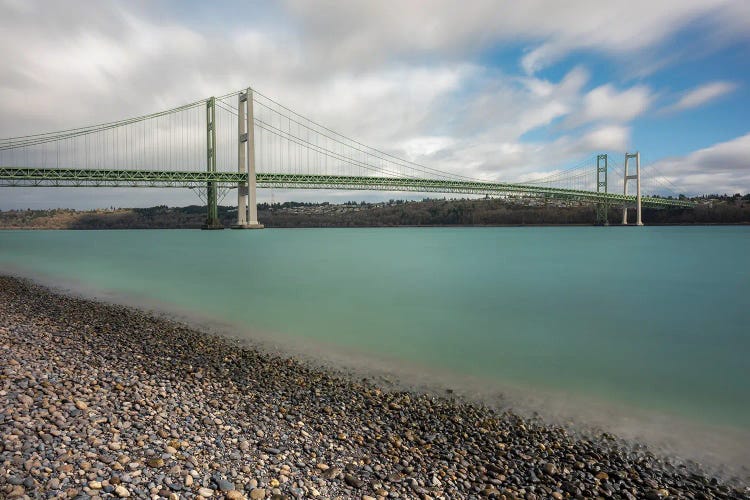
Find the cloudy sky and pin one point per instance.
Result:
(487, 88)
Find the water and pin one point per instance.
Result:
(653, 319)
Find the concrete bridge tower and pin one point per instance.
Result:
(637, 177)
(247, 201)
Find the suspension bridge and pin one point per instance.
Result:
(245, 141)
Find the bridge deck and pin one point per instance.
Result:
(13, 176)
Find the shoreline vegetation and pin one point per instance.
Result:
(100, 400)
(428, 212)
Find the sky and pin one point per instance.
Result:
(500, 90)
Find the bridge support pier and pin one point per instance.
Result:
(212, 219)
(637, 177)
(247, 201)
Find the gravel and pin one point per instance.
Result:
(99, 401)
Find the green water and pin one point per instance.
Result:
(656, 318)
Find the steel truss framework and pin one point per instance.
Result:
(12, 176)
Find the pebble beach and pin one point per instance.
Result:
(106, 401)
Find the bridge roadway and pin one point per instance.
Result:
(14, 176)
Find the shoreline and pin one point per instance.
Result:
(427, 226)
(165, 401)
(711, 443)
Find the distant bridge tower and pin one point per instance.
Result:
(602, 207)
(247, 200)
(212, 220)
(637, 177)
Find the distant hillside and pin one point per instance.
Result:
(429, 212)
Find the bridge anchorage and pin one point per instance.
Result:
(247, 141)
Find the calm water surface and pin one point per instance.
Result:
(656, 318)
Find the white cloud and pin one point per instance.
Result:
(419, 147)
(703, 94)
(615, 27)
(362, 31)
(608, 138)
(605, 103)
(721, 168)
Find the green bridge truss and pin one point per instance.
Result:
(13, 176)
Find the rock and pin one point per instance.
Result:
(274, 483)
(18, 491)
(25, 399)
(322, 466)
(557, 495)
(602, 476)
(396, 477)
(331, 473)
(95, 485)
(657, 494)
(15, 480)
(353, 481)
(257, 493)
(174, 486)
(222, 483)
(571, 488)
(81, 405)
(155, 462)
(234, 495)
(121, 491)
(206, 492)
(549, 468)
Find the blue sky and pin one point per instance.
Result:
(495, 89)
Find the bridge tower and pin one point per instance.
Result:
(212, 220)
(637, 177)
(247, 201)
(602, 207)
